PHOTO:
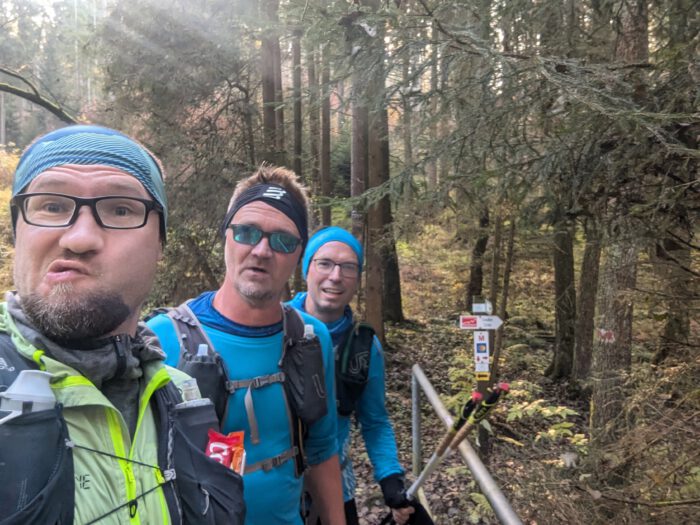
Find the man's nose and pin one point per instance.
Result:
(84, 235)
(262, 249)
(335, 273)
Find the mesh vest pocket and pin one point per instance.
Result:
(305, 383)
(36, 483)
(209, 492)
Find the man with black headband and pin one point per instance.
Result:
(103, 443)
(243, 322)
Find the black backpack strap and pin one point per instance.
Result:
(209, 370)
(165, 399)
(352, 366)
(189, 330)
(293, 327)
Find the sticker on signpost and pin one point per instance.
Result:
(479, 322)
(482, 365)
(468, 322)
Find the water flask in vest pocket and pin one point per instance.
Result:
(196, 415)
(29, 392)
(208, 369)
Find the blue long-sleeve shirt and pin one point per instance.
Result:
(375, 426)
(271, 497)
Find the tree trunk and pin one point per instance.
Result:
(314, 132)
(372, 94)
(503, 304)
(612, 353)
(406, 128)
(298, 128)
(476, 268)
(497, 339)
(393, 310)
(564, 301)
(431, 167)
(280, 144)
(3, 118)
(249, 132)
(325, 174)
(358, 152)
(267, 74)
(612, 350)
(588, 286)
(674, 269)
(495, 262)
(374, 307)
(296, 92)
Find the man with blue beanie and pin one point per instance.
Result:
(89, 216)
(332, 265)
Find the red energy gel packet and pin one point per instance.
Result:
(220, 447)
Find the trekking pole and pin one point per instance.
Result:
(500, 390)
(466, 411)
(454, 438)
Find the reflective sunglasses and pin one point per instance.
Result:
(281, 242)
(55, 210)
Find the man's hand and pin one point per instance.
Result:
(395, 498)
(402, 516)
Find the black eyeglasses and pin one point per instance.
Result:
(347, 269)
(281, 242)
(55, 210)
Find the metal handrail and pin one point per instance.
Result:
(489, 488)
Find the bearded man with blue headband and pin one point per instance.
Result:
(89, 218)
(332, 265)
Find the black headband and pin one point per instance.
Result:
(277, 197)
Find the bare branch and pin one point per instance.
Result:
(39, 100)
(18, 76)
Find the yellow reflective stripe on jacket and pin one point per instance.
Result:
(159, 380)
(95, 423)
(115, 431)
(69, 381)
(36, 357)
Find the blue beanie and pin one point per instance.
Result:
(92, 145)
(326, 235)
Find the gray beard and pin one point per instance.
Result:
(63, 316)
(255, 298)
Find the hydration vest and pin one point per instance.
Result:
(301, 374)
(352, 359)
(38, 485)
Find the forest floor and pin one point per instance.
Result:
(539, 434)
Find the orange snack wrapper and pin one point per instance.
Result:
(237, 452)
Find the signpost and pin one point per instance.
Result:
(483, 325)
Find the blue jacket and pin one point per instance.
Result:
(371, 413)
(271, 497)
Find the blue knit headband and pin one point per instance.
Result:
(326, 235)
(91, 145)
